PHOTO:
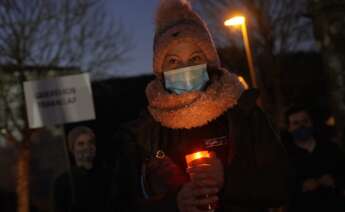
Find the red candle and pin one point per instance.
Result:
(196, 156)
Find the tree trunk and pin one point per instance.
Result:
(270, 85)
(23, 161)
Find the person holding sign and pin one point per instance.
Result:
(84, 187)
(197, 106)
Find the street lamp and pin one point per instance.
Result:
(241, 21)
(243, 82)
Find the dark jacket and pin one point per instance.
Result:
(255, 167)
(82, 190)
(326, 159)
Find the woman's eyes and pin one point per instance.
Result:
(197, 59)
(172, 61)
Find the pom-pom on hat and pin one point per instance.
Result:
(176, 22)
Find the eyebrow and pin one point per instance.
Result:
(171, 55)
(196, 52)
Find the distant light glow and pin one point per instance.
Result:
(3, 131)
(331, 121)
(235, 21)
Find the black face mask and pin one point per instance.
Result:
(303, 133)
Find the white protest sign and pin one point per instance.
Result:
(59, 100)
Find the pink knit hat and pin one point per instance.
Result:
(176, 22)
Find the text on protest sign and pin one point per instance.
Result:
(59, 100)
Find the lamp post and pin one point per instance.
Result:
(241, 21)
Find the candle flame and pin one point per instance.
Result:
(196, 156)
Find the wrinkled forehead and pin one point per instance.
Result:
(183, 48)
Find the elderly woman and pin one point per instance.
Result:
(195, 105)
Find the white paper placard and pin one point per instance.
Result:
(59, 100)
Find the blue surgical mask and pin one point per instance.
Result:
(302, 134)
(191, 78)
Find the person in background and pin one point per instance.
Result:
(84, 187)
(318, 165)
(194, 105)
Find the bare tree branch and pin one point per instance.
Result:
(269, 20)
(60, 33)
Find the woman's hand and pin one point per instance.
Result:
(191, 197)
(164, 175)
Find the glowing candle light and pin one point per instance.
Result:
(196, 156)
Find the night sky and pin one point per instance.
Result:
(138, 17)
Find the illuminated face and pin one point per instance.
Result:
(182, 55)
(299, 120)
(84, 150)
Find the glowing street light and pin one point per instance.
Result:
(241, 21)
(235, 21)
(243, 82)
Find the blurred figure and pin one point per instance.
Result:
(318, 165)
(84, 187)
